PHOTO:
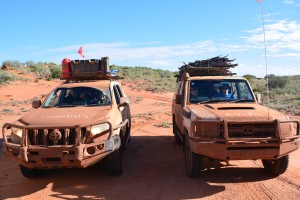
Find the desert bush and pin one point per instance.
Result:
(41, 69)
(139, 98)
(12, 64)
(258, 85)
(27, 101)
(15, 103)
(7, 110)
(24, 70)
(163, 125)
(35, 98)
(29, 63)
(277, 81)
(55, 71)
(144, 78)
(284, 92)
(249, 77)
(6, 77)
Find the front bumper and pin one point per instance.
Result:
(246, 148)
(78, 155)
(69, 156)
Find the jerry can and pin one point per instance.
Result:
(66, 68)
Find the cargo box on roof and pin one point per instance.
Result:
(85, 69)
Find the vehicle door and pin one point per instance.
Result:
(178, 106)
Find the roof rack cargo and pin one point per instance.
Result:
(216, 66)
(93, 69)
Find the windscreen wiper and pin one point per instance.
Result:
(62, 106)
(48, 106)
(214, 100)
(242, 100)
(93, 104)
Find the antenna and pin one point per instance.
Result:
(266, 60)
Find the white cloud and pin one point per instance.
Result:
(289, 1)
(286, 55)
(281, 35)
(283, 44)
(125, 51)
(150, 55)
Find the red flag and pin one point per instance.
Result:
(81, 52)
(259, 1)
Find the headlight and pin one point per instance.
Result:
(99, 128)
(16, 135)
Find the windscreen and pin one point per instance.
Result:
(209, 91)
(78, 96)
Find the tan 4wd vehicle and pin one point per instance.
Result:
(216, 115)
(77, 125)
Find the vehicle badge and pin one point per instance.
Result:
(55, 135)
(248, 130)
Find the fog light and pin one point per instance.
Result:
(91, 150)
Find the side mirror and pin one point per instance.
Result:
(124, 101)
(258, 98)
(36, 103)
(178, 99)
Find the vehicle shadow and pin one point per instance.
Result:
(153, 168)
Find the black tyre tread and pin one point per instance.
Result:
(176, 137)
(128, 127)
(126, 131)
(193, 167)
(276, 167)
(114, 162)
(30, 173)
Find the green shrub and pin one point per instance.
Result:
(163, 125)
(249, 77)
(24, 70)
(139, 98)
(7, 110)
(144, 78)
(41, 69)
(15, 103)
(6, 77)
(258, 85)
(55, 71)
(277, 81)
(12, 64)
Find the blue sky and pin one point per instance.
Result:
(154, 33)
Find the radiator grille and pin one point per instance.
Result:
(261, 130)
(44, 136)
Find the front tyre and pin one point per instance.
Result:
(192, 161)
(114, 162)
(30, 173)
(278, 166)
(175, 132)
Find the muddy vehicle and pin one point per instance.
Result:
(216, 115)
(78, 124)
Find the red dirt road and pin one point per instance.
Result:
(153, 165)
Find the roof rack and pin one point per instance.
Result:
(216, 66)
(93, 69)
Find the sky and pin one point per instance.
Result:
(161, 34)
